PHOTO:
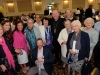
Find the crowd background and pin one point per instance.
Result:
(58, 32)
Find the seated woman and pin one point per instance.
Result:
(6, 58)
(46, 33)
(20, 46)
(78, 45)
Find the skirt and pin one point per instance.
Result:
(64, 59)
(76, 65)
(22, 59)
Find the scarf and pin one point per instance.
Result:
(8, 53)
(77, 39)
(31, 38)
(20, 41)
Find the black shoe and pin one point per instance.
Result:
(59, 63)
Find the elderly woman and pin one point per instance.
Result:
(93, 34)
(78, 46)
(62, 39)
(68, 15)
(32, 33)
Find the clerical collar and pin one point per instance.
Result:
(56, 19)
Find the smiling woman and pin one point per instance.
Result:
(20, 46)
(7, 31)
(6, 57)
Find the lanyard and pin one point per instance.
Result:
(47, 30)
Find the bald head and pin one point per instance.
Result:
(55, 14)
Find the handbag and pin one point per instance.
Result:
(69, 59)
(95, 71)
(86, 68)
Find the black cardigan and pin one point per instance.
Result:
(85, 45)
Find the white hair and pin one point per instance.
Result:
(89, 19)
(77, 22)
(30, 19)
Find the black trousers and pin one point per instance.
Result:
(57, 50)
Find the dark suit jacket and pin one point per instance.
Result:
(59, 26)
(85, 45)
(48, 59)
(88, 13)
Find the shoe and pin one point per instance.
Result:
(59, 63)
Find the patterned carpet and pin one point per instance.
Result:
(58, 70)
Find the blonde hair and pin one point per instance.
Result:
(68, 9)
(76, 22)
(30, 19)
(70, 12)
(88, 20)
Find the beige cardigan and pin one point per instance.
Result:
(63, 36)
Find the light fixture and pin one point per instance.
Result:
(10, 4)
(66, 1)
(37, 2)
(90, 1)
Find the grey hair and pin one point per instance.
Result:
(67, 21)
(76, 22)
(92, 20)
(30, 19)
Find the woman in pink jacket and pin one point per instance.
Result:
(20, 46)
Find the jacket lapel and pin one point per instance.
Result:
(44, 52)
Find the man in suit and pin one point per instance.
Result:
(57, 24)
(42, 60)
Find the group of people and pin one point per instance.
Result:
(46, 41)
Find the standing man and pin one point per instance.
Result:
(46, 12)
(42, 59)
(88, 12)
(57, 24)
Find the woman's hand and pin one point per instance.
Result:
(19, 51)
(3, 67)
(16, 50)
(64, 42)
(72, 52)
(86, 59)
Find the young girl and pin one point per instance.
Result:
(6, 57)
(20, 46)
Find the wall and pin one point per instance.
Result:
(29, 6)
